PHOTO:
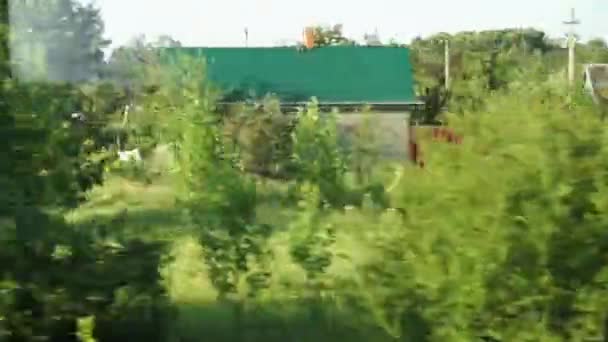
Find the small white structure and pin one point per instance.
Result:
(78, 116)
(130, 156)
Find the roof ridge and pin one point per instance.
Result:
(286, 47)
(336, 74)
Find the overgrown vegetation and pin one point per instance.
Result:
(484, 62)
(262, 228)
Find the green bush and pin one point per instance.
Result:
(56, 274)
(51, 159)
(500, 237)
(262, 134)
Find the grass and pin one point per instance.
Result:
(148, 211)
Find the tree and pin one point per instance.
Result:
(136, 70)
(57, 40)
(429, 68)
(130, 65)
(480, 63)
(325, 36)
(166, 40)
(595, 51)
(598, 43)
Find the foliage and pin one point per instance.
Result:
(311, 248)
(487, 61)
(311, 242)
(76, 33)
(500, 238)
(513, 244)
(54, 273)
(127, 65)
(325, 36)
(220, 201)
(262, 134)
(58, 274)
(86, 327)
(317, 155)
(137, 69)
(52, 158)
(363, 149)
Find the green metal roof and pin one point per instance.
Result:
(334, 75)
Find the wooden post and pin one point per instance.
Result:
(447, 65)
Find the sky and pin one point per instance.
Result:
(270, 22)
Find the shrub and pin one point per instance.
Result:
(318, 157)
(499, 238)
(263, 136)
(56, 274)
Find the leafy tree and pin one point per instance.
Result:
(130, 65)
(599, 43)
(126, 65)
(262, 134)
(47, 161)
(487, 61)
(219, 199)
(76, 33)
(166, 41)
(325, 36)
(310, 247)
(480, 62)
(317, 155)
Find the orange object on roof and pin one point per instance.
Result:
(309, 37)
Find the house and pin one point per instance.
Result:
(345, 78)
(595, 78)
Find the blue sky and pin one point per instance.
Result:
(222, 22)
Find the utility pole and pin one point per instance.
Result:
(447, 64)
(246, 37)
(572, 22)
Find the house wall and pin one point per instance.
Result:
(596, 82)
(391, 130)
